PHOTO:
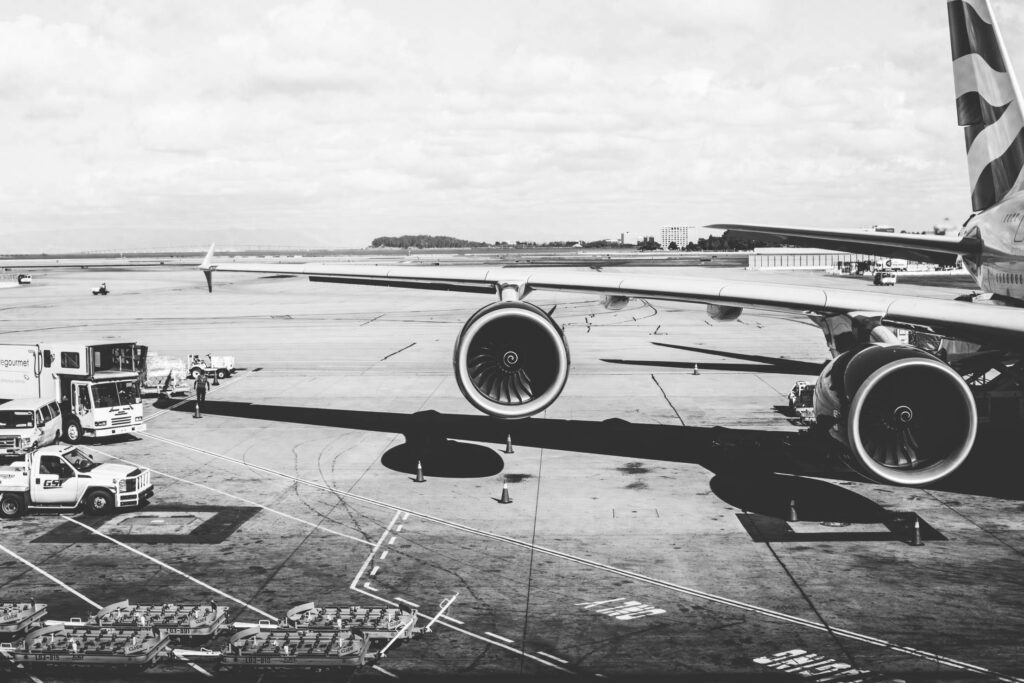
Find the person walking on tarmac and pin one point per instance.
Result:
(202, 384)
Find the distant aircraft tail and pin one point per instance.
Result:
(988, 103)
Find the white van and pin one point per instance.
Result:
(27, 424)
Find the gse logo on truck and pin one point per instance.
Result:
(52, 483)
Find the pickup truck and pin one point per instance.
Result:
(64, 478)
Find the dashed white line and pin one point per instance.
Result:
(398, 529)
(169, 568)
(405, 516)
(373, 572)
(550, 656)
(392, 541)
(376, 547)
(408, 602)
(384, 554)
(495, 635)
(692, 592)
(384, 671)
(457, 621)
(368, 587)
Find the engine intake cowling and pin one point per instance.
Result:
(511, 359)
(906, 417)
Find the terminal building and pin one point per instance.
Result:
(801, 258)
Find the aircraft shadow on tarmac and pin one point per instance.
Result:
(435, 440)
(755, 363)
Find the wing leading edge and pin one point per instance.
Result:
(937, 249)
(991, 325)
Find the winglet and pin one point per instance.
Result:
(207, 268)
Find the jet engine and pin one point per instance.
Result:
(906, 417)
(511, 359)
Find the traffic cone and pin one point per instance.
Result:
(504, 494)
(695, 370)
(196, 414)
(916, 539)
(216, 380)
(508, 444)
(792, 511)
(419, 473)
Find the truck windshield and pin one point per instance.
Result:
(113, 394)
(15, 419)
(80, 461)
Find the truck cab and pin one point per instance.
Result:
(66, 478)
(28, 423)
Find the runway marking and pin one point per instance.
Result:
(457, 621)
(231, 495)
(376, 547)
(408, 602)
(683, 590)
(384, 554)
(398, 529)
(392, 541)
(495, 635)
(405, 516)
(394, 353)
(631, 609)
(51, 577)
(376, 568)
(384, 671)
(808, 665)
(550, 656)
(163, 564)
(367, 586)
(496, 643)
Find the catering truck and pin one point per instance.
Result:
(95, 385)
(65, 478)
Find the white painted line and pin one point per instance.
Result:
(368, 587)
(405, 516)
(376, 547)
(398, 529)
(408, 602)
(549, 656)
(384, 554)
(445, 616)
(392, 541)
(194, 665)
(384, 671)
(521, 653)
(495, 635)
(51, 577)
(170, 568)
(220, 492)
(684, 590)
(373, 572)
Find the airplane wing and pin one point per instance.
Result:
(992, 325)
(938, 249)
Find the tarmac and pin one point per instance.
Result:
(649, 533)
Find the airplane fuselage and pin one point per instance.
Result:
(999, 266)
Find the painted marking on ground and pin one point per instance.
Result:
(384, 554)
(457, 621)
(495, 635)
(376, 568)
(625, 611)
(376, 547)
(230, 495)
(384, 671)
(50, 576)
(392, 541)
(815, 667)
(367, 586)
(683, 590)
(550, 656)
(398, 529)
(408, 602)
(170, 568)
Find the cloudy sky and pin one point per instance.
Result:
(150, 123)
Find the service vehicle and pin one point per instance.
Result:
(222, 366)
(801, 401)
(163, 375)
(96, 385)
(885, 278)
(24, 279)
(102, 289)
(28, 423)
(65, 478)
(891, 264)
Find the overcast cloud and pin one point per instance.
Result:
(329, 123)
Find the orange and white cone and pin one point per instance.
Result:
(504, 494)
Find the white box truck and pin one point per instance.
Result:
(96, 385)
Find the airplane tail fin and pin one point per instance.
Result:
(988, 103)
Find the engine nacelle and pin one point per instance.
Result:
(511, 359)
(724, 313)
(906, 417)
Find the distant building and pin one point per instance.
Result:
(680, 235)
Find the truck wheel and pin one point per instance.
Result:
(222, 373)
(195, 372)
(74, 433)
(12, 505)
(99, 503)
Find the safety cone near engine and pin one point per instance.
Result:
(792, 511)
(196, 414)
(916, 539)
(419, 473)
(695, 370)
(504, 494)
(508, 444)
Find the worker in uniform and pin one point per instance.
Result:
(202, 384)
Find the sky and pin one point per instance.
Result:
(327, 123)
